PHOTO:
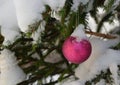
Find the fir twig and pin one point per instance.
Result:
(108, 36)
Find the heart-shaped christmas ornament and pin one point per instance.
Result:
(77, 47)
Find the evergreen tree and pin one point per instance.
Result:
(42, 58)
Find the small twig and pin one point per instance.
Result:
(101, 35)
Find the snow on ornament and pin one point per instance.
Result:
(77, 47)
(11, 73)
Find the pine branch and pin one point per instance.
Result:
(101, 35)
(40, 76)
(104, 19)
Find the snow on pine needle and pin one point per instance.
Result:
(18, 15)
(102, 58)
(10, 72)
(55, 5)
(28, 12)
(8, 22)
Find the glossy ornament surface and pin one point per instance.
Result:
(76, 51)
